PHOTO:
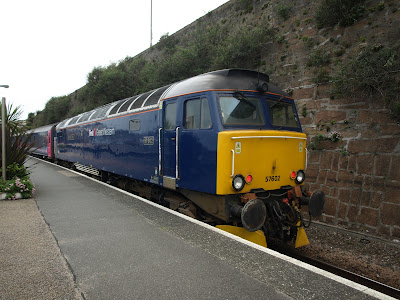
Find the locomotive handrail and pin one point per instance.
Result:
(159, 151)
(267, 137)
(177, 153)
(233, 162)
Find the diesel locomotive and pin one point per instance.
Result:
(226, 147)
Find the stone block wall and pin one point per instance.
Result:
(359, 173)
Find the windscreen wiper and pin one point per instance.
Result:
(240, 96)
(280, 99)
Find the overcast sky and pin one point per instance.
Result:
(47, 47)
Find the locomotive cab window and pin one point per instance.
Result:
(197, 114)
(241, 110)
(170, 116)
(282, 114)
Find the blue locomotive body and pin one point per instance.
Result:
(135, 145)
(109, 145)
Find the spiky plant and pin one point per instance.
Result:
(16, 137)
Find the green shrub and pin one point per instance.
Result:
(381, 6)
(15, 170)
(339, 12)
(244, 5)
(243, 49)
(374, 74)
(309, 42)
(167, 43)
(318, 58)
(321, 76)
(284, 11)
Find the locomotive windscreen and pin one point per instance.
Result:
(238, 111)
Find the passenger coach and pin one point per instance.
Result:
(42, 140)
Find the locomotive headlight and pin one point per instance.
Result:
(238, 183)
(300, 177)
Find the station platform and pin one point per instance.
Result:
(120, 246)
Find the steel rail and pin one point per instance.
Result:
(370, 283)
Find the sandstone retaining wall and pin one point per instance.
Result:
(359, 173)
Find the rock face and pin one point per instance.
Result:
(353, 145)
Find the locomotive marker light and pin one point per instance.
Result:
(263, 87)
(249, 179)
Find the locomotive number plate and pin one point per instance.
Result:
(148, 140)
(273, 178)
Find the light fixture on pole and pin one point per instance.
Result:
(3, 135)
(151, 23)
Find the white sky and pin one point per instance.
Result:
(47, 47)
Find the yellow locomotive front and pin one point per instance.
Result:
(262, 159)
(263, 167)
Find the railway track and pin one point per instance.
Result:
(375, 285)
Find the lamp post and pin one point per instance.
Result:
(151, 23)
(3, 134)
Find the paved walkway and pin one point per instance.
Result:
(31, 264)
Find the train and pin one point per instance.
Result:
(226, 147)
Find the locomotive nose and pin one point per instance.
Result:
(252, 214)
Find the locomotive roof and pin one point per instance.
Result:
(228, 79)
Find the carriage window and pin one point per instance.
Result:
(241, 110)
(170, 116)
(197, 114)
(282, 114)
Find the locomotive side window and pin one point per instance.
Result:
(134, 125)
(197, 114)
(282, 114)
(241, 111)
(205, 114)
(170, 116)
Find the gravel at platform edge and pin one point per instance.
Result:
(373, 257)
